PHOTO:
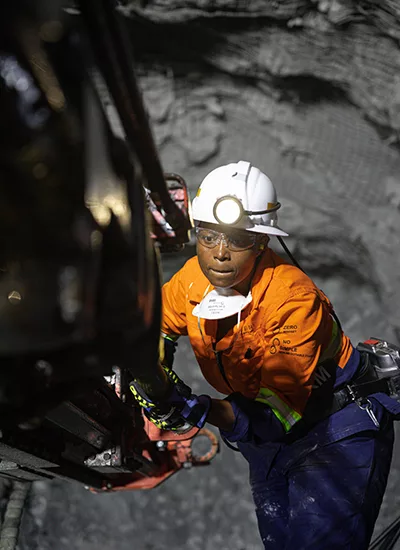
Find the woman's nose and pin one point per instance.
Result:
(221, 251)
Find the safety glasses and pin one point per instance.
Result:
(235, 241)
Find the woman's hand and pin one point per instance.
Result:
(221, 415)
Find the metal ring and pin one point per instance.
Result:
(214, 443)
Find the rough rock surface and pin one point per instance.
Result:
(309, 95)
(309, 91)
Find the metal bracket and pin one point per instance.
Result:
(176, 453)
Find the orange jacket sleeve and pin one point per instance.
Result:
(297, 334)
(173, 322)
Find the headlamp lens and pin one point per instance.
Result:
(228, 211)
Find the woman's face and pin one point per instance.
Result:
(224, 265)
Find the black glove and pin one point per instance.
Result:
(179, 411)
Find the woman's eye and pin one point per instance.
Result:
(239, 242)
(209, 238)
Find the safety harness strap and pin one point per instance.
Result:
(334, 345)
(356, 391)
(353, 392)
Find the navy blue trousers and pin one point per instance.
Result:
(321, 497)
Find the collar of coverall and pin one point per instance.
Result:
(261, 279)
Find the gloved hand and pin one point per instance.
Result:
(179, 411)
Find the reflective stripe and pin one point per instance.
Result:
(172, 337)
(161, 349)
(334, 344)
(287, 416)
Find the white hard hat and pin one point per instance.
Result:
(238, 195)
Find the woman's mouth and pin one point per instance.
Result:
(221, 271)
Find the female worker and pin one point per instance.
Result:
(266, 336)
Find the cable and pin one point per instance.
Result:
(391, 542)
(12, 517)
(228, 445)
(285, 248)
(388, 538)
(296, 263)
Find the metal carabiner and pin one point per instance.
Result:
(366, 405)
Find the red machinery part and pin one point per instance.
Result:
(161, 231)
(174, 452)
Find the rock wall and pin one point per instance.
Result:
(309, 92)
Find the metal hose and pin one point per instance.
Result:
(12, 518)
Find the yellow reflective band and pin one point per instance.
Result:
(142, 402)
(161, 351)
(171, 337)
(287, 416)
(171, 374)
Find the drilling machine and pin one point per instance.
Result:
(85, 208)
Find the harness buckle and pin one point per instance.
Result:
(352, 392)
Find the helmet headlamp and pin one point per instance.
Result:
(229, 210)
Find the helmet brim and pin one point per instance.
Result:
(267, 230)
(256, 228)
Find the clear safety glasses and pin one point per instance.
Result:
(235, 241)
